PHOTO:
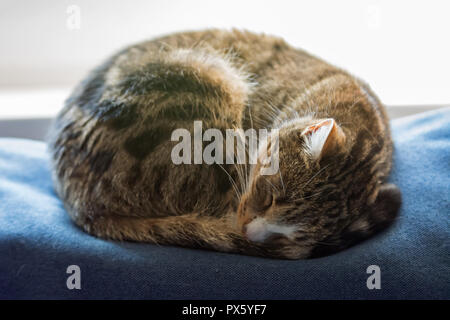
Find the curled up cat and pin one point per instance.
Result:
(112, 148)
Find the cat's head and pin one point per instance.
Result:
(323, 195)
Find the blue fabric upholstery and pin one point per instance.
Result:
(38, 241)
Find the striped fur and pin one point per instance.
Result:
(111, 147)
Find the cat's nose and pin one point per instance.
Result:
(245, 221)
(256, 230)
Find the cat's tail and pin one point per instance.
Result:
(190, 230)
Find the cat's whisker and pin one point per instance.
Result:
(251, 117)
(282, 182)
(308, 197)
(248, 150)
(240, 173)
(273, 186)
(233, 183)
(246, 155)
(318, 172)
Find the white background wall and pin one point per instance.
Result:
(402, 48)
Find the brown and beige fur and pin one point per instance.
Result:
(111, 147)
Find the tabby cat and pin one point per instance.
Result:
(111, 148)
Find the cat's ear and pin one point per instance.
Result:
(323, 138)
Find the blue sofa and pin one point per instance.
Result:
(38, 241)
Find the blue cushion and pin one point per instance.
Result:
(38, 241)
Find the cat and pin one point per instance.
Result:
(111, 148)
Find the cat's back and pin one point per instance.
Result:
(111, 144)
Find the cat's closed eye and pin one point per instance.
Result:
(269, 201)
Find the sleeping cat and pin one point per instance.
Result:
(111, 148)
